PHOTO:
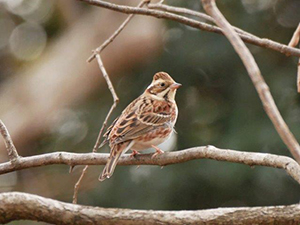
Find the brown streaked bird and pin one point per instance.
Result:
(146, 122)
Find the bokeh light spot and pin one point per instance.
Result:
(27, 41)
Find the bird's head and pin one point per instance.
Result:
(163, 87)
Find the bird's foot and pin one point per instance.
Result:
(158, 151)
(134, 153)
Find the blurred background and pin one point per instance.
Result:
(52, 100)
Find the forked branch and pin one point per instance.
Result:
(98, 141)
(96, 54)
(115, 34)
(262, 42)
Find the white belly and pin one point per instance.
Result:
(139, 146)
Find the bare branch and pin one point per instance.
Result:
(168, 158)
(190, 12)
(262, 42)
(114, 105)
(10, 147)
(293, 43)
(115, 98)
(78, 183)
(181, 10)
(115, 34)
(22, 206)
(105, 75)
(296, 36)
(98, 141)
(256, 77)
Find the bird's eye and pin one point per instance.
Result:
(162, 84)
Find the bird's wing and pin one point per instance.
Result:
(106, 135)
(137, 121)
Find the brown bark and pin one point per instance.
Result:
(21, 206)
(208, 152)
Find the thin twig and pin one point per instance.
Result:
(98, 141)
(168, 158)
(293, 43)
(10, 147)
(23, 206)
(262, 42)
(114, 105)
(96, 146)
(115, 34)
(77, 185)
(180, 10)
(256, 77)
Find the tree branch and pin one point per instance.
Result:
(293, 43)
(296, 37)
(10, 147)
(115, 99)
(168, 158)
(190, 12)
(262, 42)
(256, 77)
(115, 34)
(114, 105)
(21, 206)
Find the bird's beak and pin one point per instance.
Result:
(175, 86)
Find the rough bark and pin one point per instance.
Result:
(21, 206)
(205, 152)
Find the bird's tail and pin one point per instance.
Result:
(113, 159)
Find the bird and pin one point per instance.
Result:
(145, 123)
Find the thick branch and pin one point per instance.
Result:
(21, 206)
(168, 158)
(10, 147)
(256, 77)
(262, 42)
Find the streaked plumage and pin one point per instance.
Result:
(146, 122)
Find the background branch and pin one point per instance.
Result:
(293, 43)
(262, 42)
(10, 147)
(190, 12)
(168, 158)
(21, 206)
(98, 141)
(114, 35)
(256, 77)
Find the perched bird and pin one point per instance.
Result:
(146, 122)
